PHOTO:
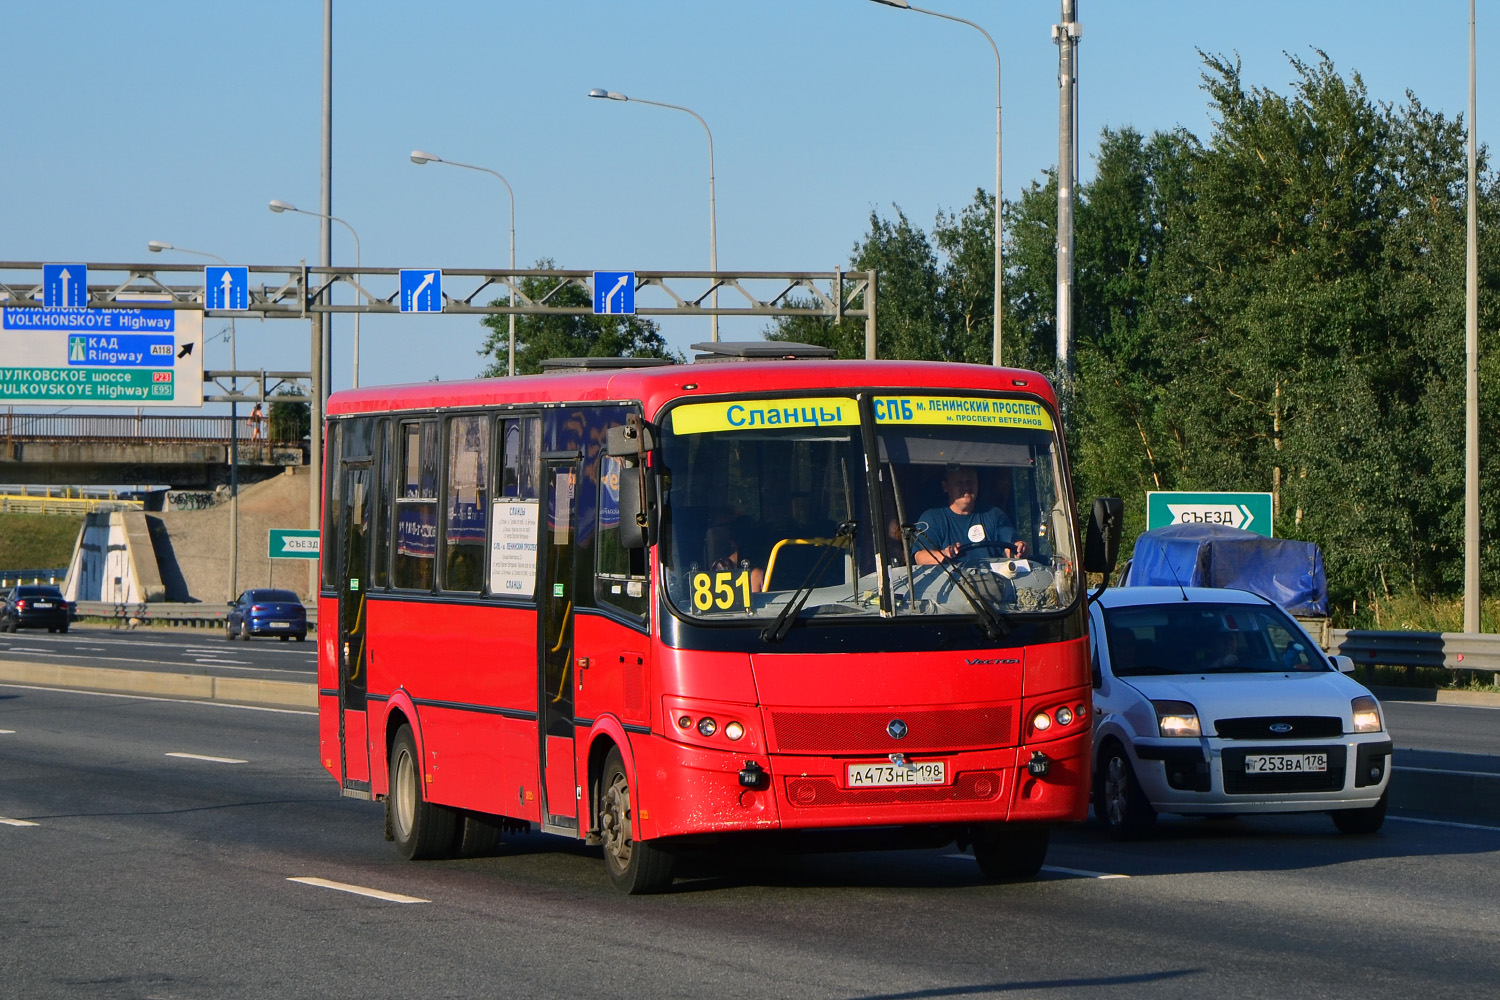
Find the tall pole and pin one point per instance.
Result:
(1471, 366)
(995, 352)
(713, 237)
(325, 256)
(1066, 37)
(419, 157)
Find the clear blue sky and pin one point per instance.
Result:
(178, 121)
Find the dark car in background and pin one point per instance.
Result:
(35, 605)
(266, 612)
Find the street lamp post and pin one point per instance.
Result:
(713, 240)
(419, 157)
(157, 246)
(282, 206)
(999, 256)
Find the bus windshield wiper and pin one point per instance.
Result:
(777, 630)
(990, 621)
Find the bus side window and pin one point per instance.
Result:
(465, 507)
(620, 578)
(520, 467)
(384, 476)
(416, 506)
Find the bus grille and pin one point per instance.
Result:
(829, 731)
(972, 786)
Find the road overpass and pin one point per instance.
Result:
(186, 453)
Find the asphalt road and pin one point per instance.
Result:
(153, 875)
(188, 651)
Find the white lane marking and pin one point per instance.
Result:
(7, 732)
(1079, 872)
(216, 760)
(1444, 770)
(90, 649)
(237, 663)
(27, 649)
(1443, 822)
(359, 890)
(147, 697)
(16, 822)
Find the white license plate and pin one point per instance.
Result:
(1285, 763)
(929, 772)
(281, 624)
(42, 604)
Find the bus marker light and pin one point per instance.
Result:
(684, 722)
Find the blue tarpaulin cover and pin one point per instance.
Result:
(1208, 555)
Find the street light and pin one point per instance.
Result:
(157, 246)
(418, 157)
(713, 241)
(903, 5)
(278, 207)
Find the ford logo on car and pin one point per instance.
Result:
(1281, 727)
(896, 728)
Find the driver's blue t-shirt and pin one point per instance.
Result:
(984, 535)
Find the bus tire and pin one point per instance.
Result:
(476, 835)
(1008, 853)
(635, 867)
(421, 830)
(1119, 802)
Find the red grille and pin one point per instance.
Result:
(829, 731)
(972, 786)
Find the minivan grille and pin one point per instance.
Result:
(1303, 727)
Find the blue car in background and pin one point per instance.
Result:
(267, 612)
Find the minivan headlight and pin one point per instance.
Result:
(1366, 714)
(1177, 718)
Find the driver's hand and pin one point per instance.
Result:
(1020, 550)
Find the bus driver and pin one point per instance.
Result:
(962, 532)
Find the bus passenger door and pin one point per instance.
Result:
(352, 541)
(555, 652)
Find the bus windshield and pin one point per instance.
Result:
(769, 501)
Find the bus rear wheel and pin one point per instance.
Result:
(420, 829)
(635, 866)
(1008, 853)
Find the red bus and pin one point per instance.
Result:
(653, 605)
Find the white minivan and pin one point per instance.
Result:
(1216, 702)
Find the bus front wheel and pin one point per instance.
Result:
(634, 866)
(419, 828)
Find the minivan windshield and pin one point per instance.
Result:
(1201, 638)
(922, 506)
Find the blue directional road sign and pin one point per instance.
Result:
(226, 287)
(65, 285)
(421, 291)
(614, 293)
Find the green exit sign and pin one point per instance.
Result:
(293, 543)
(1249, 511)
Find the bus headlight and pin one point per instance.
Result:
(734, 730)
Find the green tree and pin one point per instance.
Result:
(582, 335)
(290, 417)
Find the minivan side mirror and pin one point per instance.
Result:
(1344, 664)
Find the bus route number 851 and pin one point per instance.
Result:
(719, 591)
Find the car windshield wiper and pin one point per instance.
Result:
(777, 630)
(990, 621)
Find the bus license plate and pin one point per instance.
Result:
(1283, 763)
(929, 772)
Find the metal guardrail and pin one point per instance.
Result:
(165, 613)
(1452, 650)
(69, 426)
(11, 503)
(12, 577)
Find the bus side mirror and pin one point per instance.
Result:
(630, 439)
(638, 508)
(1101, 547)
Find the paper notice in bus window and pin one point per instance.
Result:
(513, 533)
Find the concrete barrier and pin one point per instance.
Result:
(201, 687)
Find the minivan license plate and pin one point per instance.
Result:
(1274, 763)
(929, 772)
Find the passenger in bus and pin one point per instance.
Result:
(961, 531)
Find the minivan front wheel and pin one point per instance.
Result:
(1118, 800)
